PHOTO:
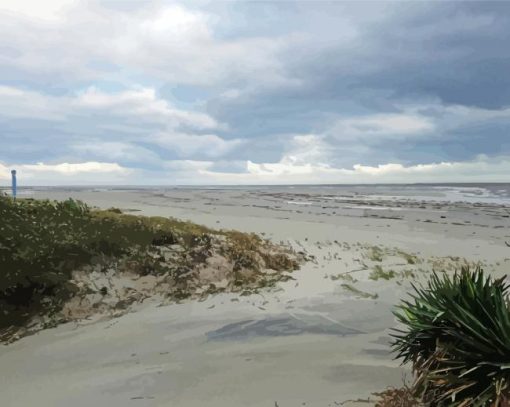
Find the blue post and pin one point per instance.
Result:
(13, 173)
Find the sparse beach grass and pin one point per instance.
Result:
(357, 292)
(379, 253)
(378, 272)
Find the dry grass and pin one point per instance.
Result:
(393, 397)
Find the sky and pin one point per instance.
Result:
(196, 92)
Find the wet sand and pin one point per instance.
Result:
(318, 340)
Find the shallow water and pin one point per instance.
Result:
(492, 193)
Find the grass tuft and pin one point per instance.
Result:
(393, 397)
(379, 273)
(359, 293)
(375, 253)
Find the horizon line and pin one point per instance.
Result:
(252, 185)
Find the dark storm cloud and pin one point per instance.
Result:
(380, 58)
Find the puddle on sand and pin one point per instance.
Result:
(279, 326)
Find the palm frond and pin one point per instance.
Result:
(457, 337)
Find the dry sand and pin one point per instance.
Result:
(319, 340)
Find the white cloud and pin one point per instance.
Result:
(94, 123)
(143, 103)
(71, 169)
(67, 173)
(174, 43)
(483, 169)
(41, 10)
(363, 138)
(177, 44)
(447, 117)
(189, 167)
(140, 103)
(19, 103)
(114, 151)
(306, 148)
(186, 145)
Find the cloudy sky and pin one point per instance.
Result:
(196, 92)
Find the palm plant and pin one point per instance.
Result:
(457, 337)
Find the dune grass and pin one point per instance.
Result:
(42, 242)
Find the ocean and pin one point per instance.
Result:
(492, 193)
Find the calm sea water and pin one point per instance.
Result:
(488, 193)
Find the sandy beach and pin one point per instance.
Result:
(318, 340)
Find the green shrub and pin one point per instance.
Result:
(457, 337)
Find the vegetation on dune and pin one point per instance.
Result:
(379, 273)
(375, 253)
(457, 337)
(360, 294)
(43, 242)
(410, 258)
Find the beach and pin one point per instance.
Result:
(321, 339)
